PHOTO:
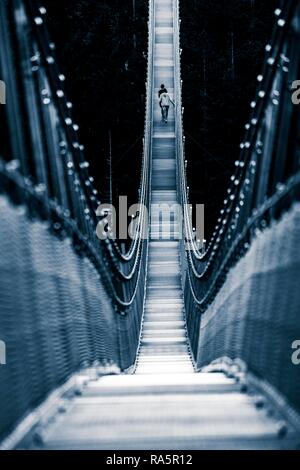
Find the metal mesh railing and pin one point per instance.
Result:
(67, 299)
(56, 316)
(265, 184)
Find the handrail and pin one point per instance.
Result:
(210, 267)
(45, 45)
(273, 52)
(79, 198)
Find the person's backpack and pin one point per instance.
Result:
(165, 99)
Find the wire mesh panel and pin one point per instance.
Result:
(68, 299)
(255, 316)
(56, 317)
(241, 293)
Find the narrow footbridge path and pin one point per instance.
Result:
(164, 338)
(162, 411)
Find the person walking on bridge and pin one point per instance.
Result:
(164, 103)
(162, 90)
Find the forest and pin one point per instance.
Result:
(102, 47)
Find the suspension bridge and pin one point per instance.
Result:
(159, 347)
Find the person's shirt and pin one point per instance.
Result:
(165, 99)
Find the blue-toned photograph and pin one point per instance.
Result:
(149, 227)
